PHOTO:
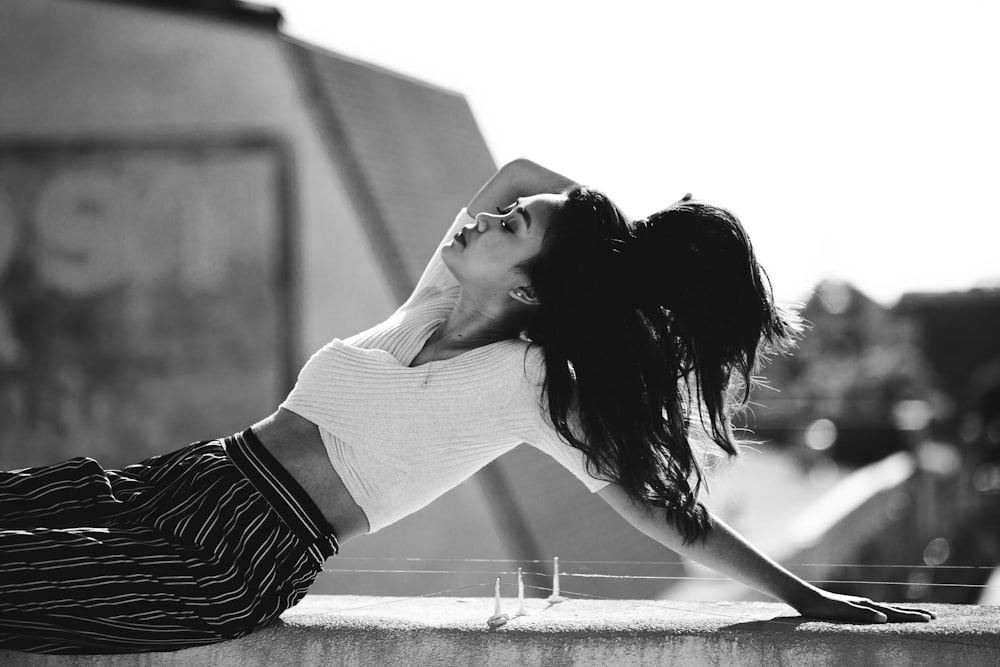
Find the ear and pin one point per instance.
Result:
(524, 294)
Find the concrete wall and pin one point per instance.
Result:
(83, 69)
(453, 631)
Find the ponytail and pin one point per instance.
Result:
(645, 326)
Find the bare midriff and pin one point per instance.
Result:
(297, 445)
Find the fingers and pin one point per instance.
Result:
(868, 614)
(893, 614)
(848, 611)
(929, 614)
(904, 615)
(851, 609)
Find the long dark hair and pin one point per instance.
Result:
(646, 328)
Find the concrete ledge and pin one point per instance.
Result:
(352, 630)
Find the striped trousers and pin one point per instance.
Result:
(197, 546)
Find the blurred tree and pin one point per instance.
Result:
(854, 365)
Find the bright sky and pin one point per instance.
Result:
(856, 140)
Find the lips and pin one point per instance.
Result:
(460, 237)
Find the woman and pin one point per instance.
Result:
(546, 317)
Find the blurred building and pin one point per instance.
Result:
(960, 335)
(869, 368)
(855, 363)
(190, 204)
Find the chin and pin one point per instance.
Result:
(448, 257)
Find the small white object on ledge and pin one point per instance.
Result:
(498, 618)
(555, 597)
(521, 611)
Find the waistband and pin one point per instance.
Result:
(281, 491)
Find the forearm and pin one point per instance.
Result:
(723, 550)
(518, 178)
(729, 553)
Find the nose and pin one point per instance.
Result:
(483, 221)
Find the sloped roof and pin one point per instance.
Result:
(410, 153)
(236, 11)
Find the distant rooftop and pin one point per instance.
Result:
(410, 153)
(250, 13)
(982, 295)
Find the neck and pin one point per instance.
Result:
(477, 322)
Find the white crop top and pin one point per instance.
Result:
(400, 437)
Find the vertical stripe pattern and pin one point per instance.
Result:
(200, 545)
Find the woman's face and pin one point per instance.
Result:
(489, 254)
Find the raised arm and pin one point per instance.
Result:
(518, 178)
(727, 552)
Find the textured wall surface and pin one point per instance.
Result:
(453, 631)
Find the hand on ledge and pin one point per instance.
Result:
(827, 606)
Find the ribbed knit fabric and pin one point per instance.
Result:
(399, 437)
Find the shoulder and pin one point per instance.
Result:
(534, 364)
(526, 376)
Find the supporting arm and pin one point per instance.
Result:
(725, 551)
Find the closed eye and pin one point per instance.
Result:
(506, 210)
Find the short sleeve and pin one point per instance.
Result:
(546, 439)
(535, 430)
(436, 276)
